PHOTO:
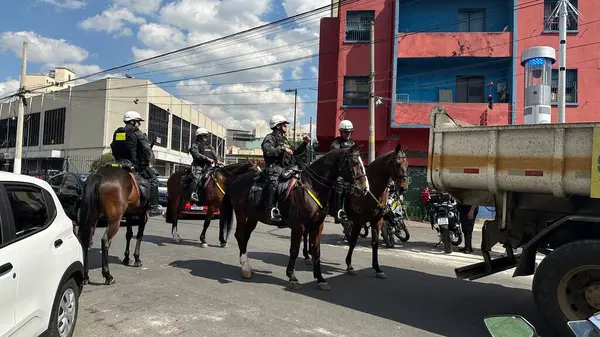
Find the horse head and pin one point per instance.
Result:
(351, 168)
(400, 168)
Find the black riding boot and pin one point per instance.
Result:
(339, 203)
(194, 188)
(155, 208)
(272, 209)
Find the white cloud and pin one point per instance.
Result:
(8, 88)
(111, 20)
(297, 73)
(139, 6)
(314, 71)
(42, 49)
(68, 4)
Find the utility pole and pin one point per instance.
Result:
(20, 113)
(372, 97)
(311, 140)
(295, 91)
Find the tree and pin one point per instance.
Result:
(101, 161)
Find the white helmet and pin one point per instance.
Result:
(276, 120)
(346, 125)
(201, 131)
(132, 116)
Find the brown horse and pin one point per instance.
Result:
(212, 196)
(112, 191)
(370, 208)
(303, 206)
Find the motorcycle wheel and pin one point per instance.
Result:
(456, 238)
(446, 240)
(401, 231)
(387, 234)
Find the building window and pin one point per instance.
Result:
(185, 136)
(158, 126)
(193, 133)
(12, 132)
(3, 133)
(31, 130)
(571, 86)
(176, 134)
(54, 126)
(471, 20)
(358, 25)
(551, 23)
(469, 89)
(356, 91)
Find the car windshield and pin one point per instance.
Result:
(162, 183)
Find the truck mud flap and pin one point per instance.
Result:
(486, 268)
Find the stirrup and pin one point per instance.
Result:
(275, 215)
(341, 214)
(194, 197)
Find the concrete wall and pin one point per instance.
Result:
(443, 15)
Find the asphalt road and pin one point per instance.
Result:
(185, 290)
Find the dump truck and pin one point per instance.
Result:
(544, 182)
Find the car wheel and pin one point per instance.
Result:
(64, 310)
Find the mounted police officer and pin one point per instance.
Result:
(343, 141)
(130, 146)
(204, 156)
(278, 155)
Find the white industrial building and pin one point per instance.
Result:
(68, 129)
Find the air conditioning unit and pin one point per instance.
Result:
(445, 96)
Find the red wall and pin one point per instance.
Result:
(585, 59)
(327, 94)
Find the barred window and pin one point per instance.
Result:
(356, 91)
(551, 23)
(176, 134)
(570, 86)
(358, 25)
(54, 126)
(158, 126)
(31, 129)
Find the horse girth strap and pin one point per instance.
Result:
(312, 195)
(214, 178)
(375, 198)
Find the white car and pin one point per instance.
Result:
(41, 260)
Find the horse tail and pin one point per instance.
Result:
(89, 208)
(226, 210)
(168, 212)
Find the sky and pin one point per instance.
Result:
(93, 35)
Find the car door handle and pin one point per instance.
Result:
(5, 268)
(58, 243)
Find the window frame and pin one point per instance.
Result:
(470, 12)
(344, 91)
(6, 210)
(469, 79)
(553, 3)
(567, 103)
(346, 30)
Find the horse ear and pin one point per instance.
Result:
(398, 148)
(406, 149)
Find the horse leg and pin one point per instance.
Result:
(224, 231)
(315, 251)
(207, 219)
(128, 236)
(174, 219)
(140, 234)
(85, 238)
(111, 230)
(375, 228)
(243, 231)
(352, 244)
(305, 249)
(297, 232)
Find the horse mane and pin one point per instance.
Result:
(233, 168)
(383, 159)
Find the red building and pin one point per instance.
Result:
(453, 52)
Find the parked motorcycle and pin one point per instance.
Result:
(517, 326)
(393, 220)
(443, 215)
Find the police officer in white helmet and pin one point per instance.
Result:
(343, 141)
(204, 155)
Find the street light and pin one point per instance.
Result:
(295, 91)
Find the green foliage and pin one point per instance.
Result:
(101, 161)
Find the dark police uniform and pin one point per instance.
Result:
(201, 152)
(340, 143)
(276, 161)
(132, 145)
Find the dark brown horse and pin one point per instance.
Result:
(369, 208)
(303, 207)
(212, 196)
(112, 191)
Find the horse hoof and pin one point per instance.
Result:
(125, 262)
(381, 275)
(109, 280)
(351, 271)
(295, 285)
(138, 264)
(324, 286)
(204, 245)
(86, 281)
(247, 274)
(224, 245)
(307, 262)
(176, 239)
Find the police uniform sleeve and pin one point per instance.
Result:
(335, 145)
(146, 152)
(269, 147)
(300, 149)
(195, 152)
(213, 153)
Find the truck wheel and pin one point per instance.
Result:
(566, 285)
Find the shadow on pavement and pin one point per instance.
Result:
(281, 260)
(438, 304)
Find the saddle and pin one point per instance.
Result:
(286, 183)
(141, 184)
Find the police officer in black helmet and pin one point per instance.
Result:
(131, 145)
(343, 141)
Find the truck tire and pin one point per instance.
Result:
(565, 282)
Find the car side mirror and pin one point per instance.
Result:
(509, 325)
